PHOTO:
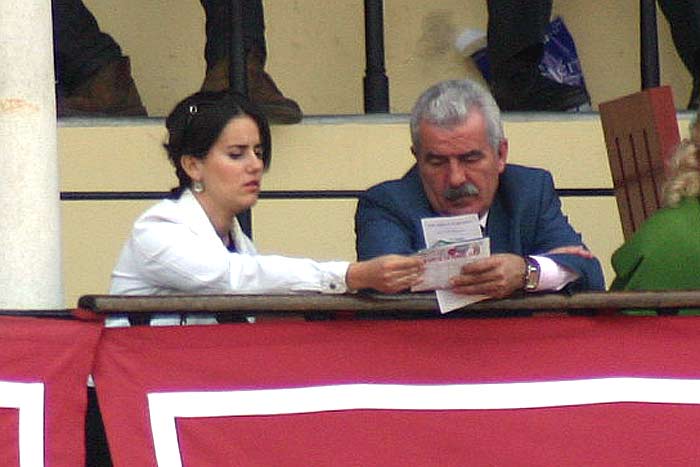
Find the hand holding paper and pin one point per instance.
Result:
(497, 276)
(453, 243)
(444, 262)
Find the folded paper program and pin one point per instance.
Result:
(454, 241)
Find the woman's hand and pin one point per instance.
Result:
(387, 274)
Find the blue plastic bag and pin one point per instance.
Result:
(559, 62)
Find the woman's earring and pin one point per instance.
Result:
(197, 186)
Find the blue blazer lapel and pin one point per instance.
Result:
(498, 227)
(417, 204)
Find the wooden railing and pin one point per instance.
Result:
(420, 304)
(608, 302)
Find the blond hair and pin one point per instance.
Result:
(684, 174)
(695, 128)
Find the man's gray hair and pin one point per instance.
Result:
(449, 103)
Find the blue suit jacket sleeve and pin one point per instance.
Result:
(526, 219)
(379, 232)
(388, 217)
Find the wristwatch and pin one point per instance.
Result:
(532, 274)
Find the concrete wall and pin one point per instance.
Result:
(347, 154)
(316, 55)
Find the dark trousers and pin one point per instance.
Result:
(684, 18)
(81, 48)
(517, 25)
(96, 448)
(515, 33)
(253, 28)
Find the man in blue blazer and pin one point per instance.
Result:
(461, 153)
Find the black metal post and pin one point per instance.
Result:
(237, 78)
(376, 83)
(649, 44)
(234, 38)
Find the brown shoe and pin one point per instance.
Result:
(109, 92)
(262, 90)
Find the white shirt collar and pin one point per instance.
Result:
(483, 219)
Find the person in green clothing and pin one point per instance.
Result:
(664, 254)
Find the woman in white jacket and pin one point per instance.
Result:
(192, 242)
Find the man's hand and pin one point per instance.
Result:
(497, 276)
(578, 250)
(388, 274)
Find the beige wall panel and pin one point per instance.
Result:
(114, 158)
(317, 48)
(93, 235)
(319, 156)
(316, 53)
(94, 232)
(607, 40)
(337, 157)
(573, 151)
(328, 156)
(165, 41)
(305, 157)
(318, 229)
(324, 229)
(598, 222)
(420, 50)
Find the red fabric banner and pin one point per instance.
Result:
(44, 366)
(9, 437)
(535, 391)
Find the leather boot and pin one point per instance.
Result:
(539, 93)
(262, 90)
(694, 101)
(109, 92)
(518, 85)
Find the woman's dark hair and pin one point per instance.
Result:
(196, 122)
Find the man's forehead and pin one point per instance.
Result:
(463, 137)
(438, 155)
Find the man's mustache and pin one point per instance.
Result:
(467, 189)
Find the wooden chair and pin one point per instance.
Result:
(641, 132)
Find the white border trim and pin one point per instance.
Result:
(29, 399)
(165, 407)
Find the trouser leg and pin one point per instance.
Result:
(516, 28)
(684, 18)
(80, 48)
(96, 448)
(215, 11)
(515, 44)
(262, 90)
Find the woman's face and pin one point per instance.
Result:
(231, 171)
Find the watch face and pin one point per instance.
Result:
(532, 275)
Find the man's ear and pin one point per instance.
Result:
(502, 155)
(192, 167)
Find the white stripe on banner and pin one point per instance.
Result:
(29, 399)
(165, 407)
